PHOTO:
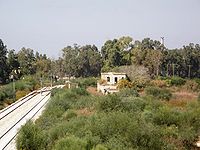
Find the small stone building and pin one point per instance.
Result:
(108, 82)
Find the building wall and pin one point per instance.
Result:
(111, 85)
(112, 77)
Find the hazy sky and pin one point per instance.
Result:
(49, 25)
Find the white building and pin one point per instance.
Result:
(108, 82)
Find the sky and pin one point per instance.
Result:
(47, 26)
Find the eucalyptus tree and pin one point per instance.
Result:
(148, 53)
(4, 69)
(27, 61)
(116, 52)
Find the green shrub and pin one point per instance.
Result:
(159, 93)
(167, 116)
(54, 91)
(197, 80)
(176, 81)
(85, 102)
(2, 95)
(31, 137)
(163, 78)
(85, 82)
(128, 92)
(133, 104)
(30, 82)
(107, 125)
(20, 85)
(70, 143)
(6, 92)
(80, 91)
(109, 103)
(69, 114)
(100, 147)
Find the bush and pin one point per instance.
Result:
(31, 137)
(85, 82)
(80, 91)
(167, 116)
(109, 103)
(124, 84)
(158, 83)
(69, 114)
(100, 147)
(177, 81)
(6, 92)
(126, 92)
(70, 143)
(20, 94)
(159, 93)
(197, 80)
(133, 104)
(20, 85)
(30, 82)
(140, 83)
(2, 95)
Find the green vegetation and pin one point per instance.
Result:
(141, 60)
(145, 58)
(22, 88)
(74, 119)
(159, 93)
(176, 81)
(85, 82)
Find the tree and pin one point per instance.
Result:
(27, 60)
(13, 63)
(183, 62)
(116, 52)
(70, 61)
(43, 64)
(4, 70)
(90, 61)
(148, 53)
(82, 61)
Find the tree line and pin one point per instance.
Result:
(88, 60)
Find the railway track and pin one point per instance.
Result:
(4, 112)
(16, 115)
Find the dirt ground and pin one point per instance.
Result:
(93, 91)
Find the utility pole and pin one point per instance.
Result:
(189, 71)
(51, 80)
(167, 70)
(157, 71)
(12, 77)
(41, 84)
(173, 68)
(162, 40)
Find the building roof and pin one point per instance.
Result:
(113, 73)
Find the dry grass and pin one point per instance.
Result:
(85, 112)
(93, 91)
(182, 98)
